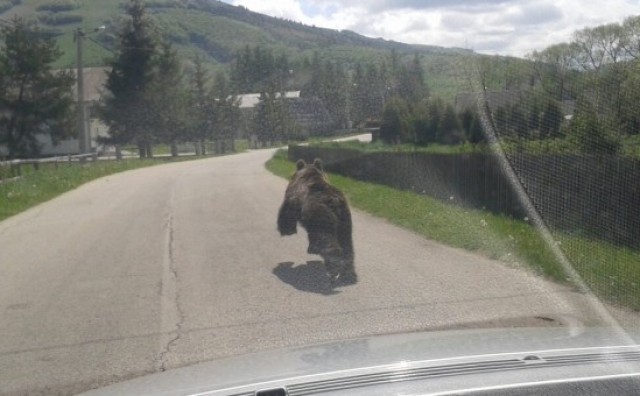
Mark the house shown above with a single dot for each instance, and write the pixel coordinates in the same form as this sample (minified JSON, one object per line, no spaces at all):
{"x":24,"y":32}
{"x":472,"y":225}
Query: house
{"x":309,"y":113}
{"x":94,"y":80}
{"x":251,"y":100}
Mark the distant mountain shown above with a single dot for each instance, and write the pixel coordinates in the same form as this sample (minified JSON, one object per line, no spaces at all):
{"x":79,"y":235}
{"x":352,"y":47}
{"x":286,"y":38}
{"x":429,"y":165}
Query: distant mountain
{"x":212,"y":28}
{"x":216,"y":31}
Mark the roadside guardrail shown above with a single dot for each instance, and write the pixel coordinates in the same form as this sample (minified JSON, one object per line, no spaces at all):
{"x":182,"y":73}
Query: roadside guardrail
{"x":14,"y":167}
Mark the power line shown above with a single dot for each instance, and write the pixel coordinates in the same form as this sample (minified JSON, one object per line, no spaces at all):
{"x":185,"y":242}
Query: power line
{"x":100,"y":44}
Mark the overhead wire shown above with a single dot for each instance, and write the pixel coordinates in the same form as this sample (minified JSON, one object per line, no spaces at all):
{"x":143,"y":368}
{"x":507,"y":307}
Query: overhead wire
{"x":100,"y":44}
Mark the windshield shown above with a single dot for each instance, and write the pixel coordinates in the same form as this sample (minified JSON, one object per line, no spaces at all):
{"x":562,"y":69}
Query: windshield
{"x":189,"y":180}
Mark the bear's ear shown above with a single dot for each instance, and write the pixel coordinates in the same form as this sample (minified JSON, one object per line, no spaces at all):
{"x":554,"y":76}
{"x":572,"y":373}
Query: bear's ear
{"x":317,"y":163}
{"x":300,"y":164}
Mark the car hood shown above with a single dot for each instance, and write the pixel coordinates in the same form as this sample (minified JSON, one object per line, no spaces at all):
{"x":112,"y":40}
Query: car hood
{"x":332,"y":367}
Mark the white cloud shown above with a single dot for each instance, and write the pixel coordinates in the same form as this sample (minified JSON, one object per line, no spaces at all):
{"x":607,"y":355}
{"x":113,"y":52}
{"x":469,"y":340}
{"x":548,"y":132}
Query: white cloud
{"x":510,"y":27}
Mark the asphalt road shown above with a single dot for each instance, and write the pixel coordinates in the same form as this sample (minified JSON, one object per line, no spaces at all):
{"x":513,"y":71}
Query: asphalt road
{"x":167,"y":266}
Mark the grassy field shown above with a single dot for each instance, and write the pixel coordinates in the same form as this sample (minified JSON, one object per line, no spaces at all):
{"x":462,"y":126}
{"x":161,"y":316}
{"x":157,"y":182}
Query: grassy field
{"x":611,"y":271}
{"x":216,"y":33}
{"x":94,"y":14}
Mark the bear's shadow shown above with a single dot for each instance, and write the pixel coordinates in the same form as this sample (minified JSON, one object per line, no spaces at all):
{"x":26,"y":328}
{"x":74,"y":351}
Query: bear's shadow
{"x":310,"y":277}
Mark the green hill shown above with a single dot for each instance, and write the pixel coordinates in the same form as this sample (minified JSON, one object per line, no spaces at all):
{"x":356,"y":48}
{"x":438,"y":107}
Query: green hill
{"x":213,"y":28}
{"x":216,"y":31}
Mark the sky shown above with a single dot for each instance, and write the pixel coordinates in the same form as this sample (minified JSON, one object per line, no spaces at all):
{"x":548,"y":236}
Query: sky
{"x":505,"y":27}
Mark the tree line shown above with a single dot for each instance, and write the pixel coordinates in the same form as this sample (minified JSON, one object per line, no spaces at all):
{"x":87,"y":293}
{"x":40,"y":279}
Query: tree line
{"x":429,"y":121}
{"x":578,"y":97}
{"x":598,"y":74}
{"x":353,"y":94}
{"x":149,"y":100}
{"x":150,"y":97}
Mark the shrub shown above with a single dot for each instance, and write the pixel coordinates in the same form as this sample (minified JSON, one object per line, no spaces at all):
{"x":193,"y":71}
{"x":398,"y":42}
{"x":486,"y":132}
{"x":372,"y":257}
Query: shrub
{"x":58,"y":6}
{"x":396,"y":122}
{"x":59,"y":19}
{"x":588,"y":134}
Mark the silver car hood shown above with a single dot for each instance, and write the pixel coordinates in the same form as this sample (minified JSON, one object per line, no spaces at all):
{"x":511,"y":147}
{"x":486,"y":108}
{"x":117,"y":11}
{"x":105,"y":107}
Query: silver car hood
{"x":361,"y":366}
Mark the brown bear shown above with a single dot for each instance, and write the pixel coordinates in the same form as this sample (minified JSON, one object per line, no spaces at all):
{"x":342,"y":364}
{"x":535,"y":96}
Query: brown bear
{"x":323,"y":211}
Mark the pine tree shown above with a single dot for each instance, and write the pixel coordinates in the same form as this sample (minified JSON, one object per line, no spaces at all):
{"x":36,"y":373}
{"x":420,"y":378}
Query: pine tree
{"x":518,"y":122}
{"x":201,"y":103}
{"x":357,"y":96}
{"x":475,"y":134}
{"x":241,"y":72}
{"x":266,"y":117}
{"x":466,"y":119}
{"x":226,"y":109}
{"x":587,"y":133}
{"x":435,"y":110}
{"x":409,"y":81}
{"x":167,"y":98}
{"x":396,"y":126}
{"x":33,"y":99}
{"x":449,"y":126}
{"x":551,"y":120}
{"x":125,"y":108}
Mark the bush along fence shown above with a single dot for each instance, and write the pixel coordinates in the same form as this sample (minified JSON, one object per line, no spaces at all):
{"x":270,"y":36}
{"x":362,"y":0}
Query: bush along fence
{"x":593,"y":196}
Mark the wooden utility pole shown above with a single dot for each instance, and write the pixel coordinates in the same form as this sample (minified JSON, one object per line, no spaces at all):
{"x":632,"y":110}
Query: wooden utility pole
{"x":82,"y":132}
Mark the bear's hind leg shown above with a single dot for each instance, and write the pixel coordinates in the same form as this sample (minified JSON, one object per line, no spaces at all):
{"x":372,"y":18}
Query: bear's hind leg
{"x":324,"y":244}
{"x":347,"y":274}
{"x":334,"y":268}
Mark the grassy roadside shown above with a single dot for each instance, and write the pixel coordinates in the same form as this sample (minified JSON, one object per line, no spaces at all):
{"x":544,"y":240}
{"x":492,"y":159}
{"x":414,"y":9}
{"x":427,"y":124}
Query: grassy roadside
{"x":630,"y":147}
{"x":610,"y":270}
{"x":378,"y":146}
{"x":39,"y":186}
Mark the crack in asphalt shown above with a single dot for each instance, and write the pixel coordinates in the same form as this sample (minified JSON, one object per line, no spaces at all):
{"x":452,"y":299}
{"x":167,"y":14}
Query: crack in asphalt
{"x":169,"y":290}
{"x":263,"y":323}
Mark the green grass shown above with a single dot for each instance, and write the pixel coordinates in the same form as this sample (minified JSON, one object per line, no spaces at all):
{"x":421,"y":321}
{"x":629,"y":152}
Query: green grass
{"x":410,"y":148}
{"x":612,"y":272}
{"x":94,"y":13}
{"x":228,"y":34}
{"x":630,"y":147}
